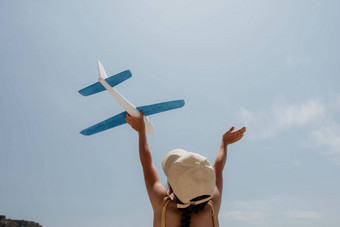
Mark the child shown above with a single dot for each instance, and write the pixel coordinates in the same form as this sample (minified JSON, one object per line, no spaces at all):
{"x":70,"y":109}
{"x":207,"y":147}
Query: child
{"x":193,"y":182}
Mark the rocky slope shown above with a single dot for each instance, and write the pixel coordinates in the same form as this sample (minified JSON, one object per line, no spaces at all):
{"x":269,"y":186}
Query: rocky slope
{"x":16,"y":223}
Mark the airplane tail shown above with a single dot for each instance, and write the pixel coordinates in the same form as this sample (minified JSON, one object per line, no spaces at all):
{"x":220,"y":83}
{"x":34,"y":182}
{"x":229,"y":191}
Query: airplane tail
{"x":112,"y":81}
{"x":102,"y":72}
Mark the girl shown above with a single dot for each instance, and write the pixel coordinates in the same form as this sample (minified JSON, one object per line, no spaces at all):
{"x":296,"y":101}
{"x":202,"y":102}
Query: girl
{"x":196,"y":186}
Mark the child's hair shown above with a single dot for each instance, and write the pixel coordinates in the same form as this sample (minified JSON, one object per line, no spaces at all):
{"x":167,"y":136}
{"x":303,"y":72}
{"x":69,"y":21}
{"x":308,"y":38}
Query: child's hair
{"x":188,"y":211}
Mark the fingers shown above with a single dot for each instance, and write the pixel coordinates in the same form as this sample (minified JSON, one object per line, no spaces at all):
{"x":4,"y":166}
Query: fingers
{"x":241,"y":130}
{"x":128,"y":118}
{"x":231,"y":129}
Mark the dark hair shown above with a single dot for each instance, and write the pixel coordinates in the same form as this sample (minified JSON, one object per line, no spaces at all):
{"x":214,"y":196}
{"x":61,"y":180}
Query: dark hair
{"x":186,"y":212}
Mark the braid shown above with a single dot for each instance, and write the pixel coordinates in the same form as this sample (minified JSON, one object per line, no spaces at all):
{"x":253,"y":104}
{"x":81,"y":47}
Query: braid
{"x":187,"y":212}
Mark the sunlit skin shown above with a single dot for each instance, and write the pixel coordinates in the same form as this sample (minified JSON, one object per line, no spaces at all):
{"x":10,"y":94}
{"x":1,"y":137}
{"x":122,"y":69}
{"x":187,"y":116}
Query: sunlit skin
{"x":156,"y":191}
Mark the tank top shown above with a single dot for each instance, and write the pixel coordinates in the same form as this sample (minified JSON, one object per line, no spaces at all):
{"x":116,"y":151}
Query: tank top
{"x":210,"y":204}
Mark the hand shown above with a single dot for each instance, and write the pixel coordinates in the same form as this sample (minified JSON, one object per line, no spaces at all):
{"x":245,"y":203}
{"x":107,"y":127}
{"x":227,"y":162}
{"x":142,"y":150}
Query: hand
{"x":231,"y":137}
{"x":137,"y":123}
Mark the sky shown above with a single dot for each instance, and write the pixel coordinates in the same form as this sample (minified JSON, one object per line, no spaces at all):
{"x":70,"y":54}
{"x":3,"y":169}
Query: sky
{"x":272,"y":66}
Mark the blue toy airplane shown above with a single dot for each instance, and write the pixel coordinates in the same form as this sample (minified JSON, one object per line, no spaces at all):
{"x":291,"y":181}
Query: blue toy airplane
{"x":108,"y":83}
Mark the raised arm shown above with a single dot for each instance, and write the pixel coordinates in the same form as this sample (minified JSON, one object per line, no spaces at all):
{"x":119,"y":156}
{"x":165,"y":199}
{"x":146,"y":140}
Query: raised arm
{"x":155,"y":189}
{"x":228,"y":138}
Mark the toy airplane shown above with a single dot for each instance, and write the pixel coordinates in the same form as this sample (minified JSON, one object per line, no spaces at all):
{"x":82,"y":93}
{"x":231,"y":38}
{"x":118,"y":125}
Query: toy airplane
{"x":108,"y":83}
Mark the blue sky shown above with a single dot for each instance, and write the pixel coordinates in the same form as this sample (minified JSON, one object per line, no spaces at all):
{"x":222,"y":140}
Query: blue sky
{"x":272,"y":66}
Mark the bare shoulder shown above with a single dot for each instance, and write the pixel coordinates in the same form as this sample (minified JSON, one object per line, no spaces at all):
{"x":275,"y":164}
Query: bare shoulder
{"x":216,"y":203}
{"x":161,"y":204}
{"x":172,"y":215}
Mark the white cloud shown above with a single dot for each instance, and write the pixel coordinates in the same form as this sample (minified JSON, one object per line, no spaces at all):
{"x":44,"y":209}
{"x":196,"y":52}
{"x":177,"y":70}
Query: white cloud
{"x":328,"y":137}
{"x":292,"y":115}
{"x":322,"y":120}
{"x":253,"y":217}
{"x":272,"y":211}
{"x":299,"y":214}
{"x":269,"y":122}
{"x":254,"y":212}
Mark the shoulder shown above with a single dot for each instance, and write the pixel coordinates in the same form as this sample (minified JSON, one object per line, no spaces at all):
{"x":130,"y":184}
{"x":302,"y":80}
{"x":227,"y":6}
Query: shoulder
{"x":163,"y":203}
{"x":214,"y":204}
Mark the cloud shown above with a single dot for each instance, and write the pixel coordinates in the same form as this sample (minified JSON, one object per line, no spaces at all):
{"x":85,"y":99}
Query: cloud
{"x":272,"y":211}
{"x":254,"y":217}
{"x":253,"y":212}
{"x":298,"y":214}
{"x":265,"y":123}
{"x":328,"y":137}
{"x":321,"y":118}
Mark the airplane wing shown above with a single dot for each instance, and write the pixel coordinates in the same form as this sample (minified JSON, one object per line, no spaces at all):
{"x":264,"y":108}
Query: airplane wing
{"x":112,"y":80}
{"x":119,"y":119}
{"x":112,"y":122}
{"x":161,"y":107}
